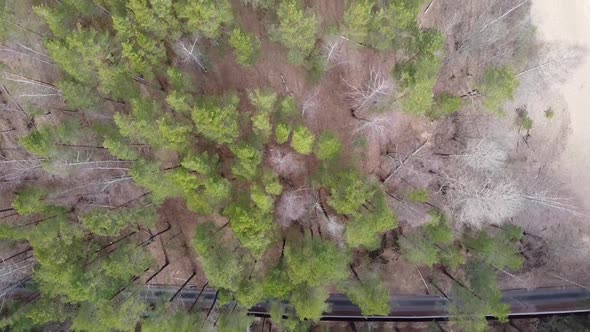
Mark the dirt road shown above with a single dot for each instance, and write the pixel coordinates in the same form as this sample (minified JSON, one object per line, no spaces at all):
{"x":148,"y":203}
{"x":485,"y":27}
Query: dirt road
{"x":569,"y":22}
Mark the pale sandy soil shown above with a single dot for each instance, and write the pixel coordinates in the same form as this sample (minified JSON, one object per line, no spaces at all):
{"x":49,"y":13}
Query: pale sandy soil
{"x":568,"y":22}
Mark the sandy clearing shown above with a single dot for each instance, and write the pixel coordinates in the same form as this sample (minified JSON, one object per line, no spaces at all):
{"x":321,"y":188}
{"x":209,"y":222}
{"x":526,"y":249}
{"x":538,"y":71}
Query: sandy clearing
{"x":569,"y":22}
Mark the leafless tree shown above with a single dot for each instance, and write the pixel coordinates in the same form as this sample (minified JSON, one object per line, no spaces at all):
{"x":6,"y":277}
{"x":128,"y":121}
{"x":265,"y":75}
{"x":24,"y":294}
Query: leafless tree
{"x":483,"y":155}
{"x":40,"y":89}
{"x":188,"y":51}
{"x":292,"y":205}
{"x":373,"y":93}
{"x":477,"y":201}
{"x":285,"y":163}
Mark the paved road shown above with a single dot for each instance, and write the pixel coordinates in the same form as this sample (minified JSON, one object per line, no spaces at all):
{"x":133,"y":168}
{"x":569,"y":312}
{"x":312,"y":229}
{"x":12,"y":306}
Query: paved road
{"x":524,"y":303}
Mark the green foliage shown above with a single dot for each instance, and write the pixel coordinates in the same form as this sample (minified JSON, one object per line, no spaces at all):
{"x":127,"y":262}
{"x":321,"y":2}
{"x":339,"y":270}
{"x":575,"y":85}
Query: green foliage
{"x":310,"y":302}
{"x":81,"y":54}
{"x":316,"y":262}
{"x":279,"y":310}
{"x":358,"y":20}
{"x":117,"y":81}
{"x":381,"y":26}
{"x":250,"y":292}
{"x":252,"y":226}
{"x":78,"y":95}
{"x":107,"y":317}
{"x":149,"y":176}
{"x":106,"y":222}
{"x":234,"y":320}
{"x":43,"y":141}
{"x":259,"y":4}
{"x":419,"y":76}
{"x":364,"y":229}
{"x":205,"y":16}
{"x":282,"y":132}
{"x":218,"y":122}
{"x":203,"y":163}
{"x":370,"y":295}
{"x":288,"y":109}
{"x":271,"y":183}
{"x":302,"y":140}
{"x":348,"y":191}
{"x":30,"y":201}
{"x":246,"y":47}
{"x":498,"y":86}
{"x":263,"y":201}
{"x":500,"y":251}
{"x":179,"y":322}
{"x":145,"y":52}
{"x":119,"y":149}
{"x":277,"y":284}
{"x":328,"y":146}
{"x":418,"y":196}
{"x":481,"y":297}
{"x":126,"y":262}
{"x":222,"y":265}
{"x":297,"y":30}
{"x":264,"y":101}
{"x":432,"y":244}
{"x":549,"y":113}
{"x":247,"y":160}
{"x":445,"y":105}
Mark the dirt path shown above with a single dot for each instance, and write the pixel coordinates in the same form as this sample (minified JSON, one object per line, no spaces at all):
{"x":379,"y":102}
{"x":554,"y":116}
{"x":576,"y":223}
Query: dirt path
{"x":569,"y":22}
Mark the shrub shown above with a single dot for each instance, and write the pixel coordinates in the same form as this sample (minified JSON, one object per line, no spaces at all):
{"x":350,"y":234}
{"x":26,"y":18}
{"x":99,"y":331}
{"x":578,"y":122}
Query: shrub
{"x":328,"y":146}
{"x":282,"y":132}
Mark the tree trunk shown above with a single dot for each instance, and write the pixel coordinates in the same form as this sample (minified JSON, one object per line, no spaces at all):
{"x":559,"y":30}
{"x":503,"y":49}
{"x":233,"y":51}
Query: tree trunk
{"x":166,"y":263}
{"x":355,"y":274}
{"x":116,"y":241}
{"x":148,"y":241}
{"x":17,"y":254}
{"x":183,"y":285}
{"x":212,"y":304}
{"x":198,"y":296}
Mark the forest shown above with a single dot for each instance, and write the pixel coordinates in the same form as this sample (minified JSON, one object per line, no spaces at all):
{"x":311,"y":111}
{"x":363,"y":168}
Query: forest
{"x":278,"y":152}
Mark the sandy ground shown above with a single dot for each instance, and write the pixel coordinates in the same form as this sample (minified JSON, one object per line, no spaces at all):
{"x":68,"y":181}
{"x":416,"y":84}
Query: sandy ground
{"x":569,"y":23}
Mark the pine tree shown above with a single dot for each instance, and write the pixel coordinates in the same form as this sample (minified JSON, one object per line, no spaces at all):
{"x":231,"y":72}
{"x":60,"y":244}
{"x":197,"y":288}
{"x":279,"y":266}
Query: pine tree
{"x":316,"y":262}
{"x":328,"y":146}
{"x":247,"y":161}
{"x":205,"y":16}
{"x":498,"y":86}
{"x":297,"y":30}
{"x":302,"y":140}
{"x":364,"y":229}
{"x":348,"y":191}
{"x":370,"y":295}
{"x":222,"y":265}
{"x":252,"y":225}
{"x":106,"y":222}
{"x":310,"y":302}
{"x":218,"y":120}
{"x":246,"y":47}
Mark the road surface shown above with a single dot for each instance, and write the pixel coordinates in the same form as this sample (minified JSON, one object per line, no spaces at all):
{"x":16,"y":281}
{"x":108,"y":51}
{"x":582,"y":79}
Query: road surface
{"x":523,"y":303}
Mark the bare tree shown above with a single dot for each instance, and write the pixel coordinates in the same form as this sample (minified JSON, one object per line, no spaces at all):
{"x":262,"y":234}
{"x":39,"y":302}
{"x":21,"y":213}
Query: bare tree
{"x":483,"y":155}
{"x":293,"y":205}
{"x":285,"y":163}
{"x":477,"y":201}
{"x":373,"y":93}
{"x":189,"y":53}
